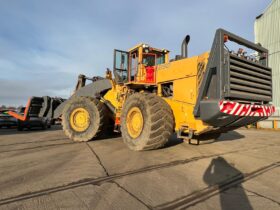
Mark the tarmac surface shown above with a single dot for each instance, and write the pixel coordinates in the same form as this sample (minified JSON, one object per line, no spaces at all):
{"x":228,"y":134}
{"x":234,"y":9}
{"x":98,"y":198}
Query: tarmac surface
{"x":45,"y":170}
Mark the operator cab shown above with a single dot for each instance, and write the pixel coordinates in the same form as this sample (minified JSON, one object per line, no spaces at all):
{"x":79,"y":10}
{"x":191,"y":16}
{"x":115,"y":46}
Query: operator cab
{"x":139,"y":64}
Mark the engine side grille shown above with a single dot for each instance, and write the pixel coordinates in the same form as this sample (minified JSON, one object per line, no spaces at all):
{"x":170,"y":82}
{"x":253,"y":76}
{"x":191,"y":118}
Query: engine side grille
{"x":249,"y":80}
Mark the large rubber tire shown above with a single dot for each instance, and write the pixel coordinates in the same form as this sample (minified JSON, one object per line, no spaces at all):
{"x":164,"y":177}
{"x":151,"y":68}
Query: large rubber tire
{"x":158,"y":122}
{"x":97,"y":119}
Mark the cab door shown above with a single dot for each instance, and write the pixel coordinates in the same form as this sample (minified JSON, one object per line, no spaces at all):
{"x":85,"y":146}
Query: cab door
{"x":121,"y":66}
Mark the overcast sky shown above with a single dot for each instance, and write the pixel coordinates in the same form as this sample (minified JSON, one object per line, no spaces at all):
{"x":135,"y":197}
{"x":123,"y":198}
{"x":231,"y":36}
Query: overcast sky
{"x":45,"y":45}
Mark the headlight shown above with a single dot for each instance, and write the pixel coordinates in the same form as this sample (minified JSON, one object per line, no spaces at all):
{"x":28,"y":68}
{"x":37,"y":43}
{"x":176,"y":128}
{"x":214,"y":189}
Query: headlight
{"x":145,"y":46}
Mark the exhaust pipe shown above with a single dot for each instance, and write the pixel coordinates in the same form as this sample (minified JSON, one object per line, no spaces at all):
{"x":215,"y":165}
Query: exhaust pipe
{"x":184,"y":47}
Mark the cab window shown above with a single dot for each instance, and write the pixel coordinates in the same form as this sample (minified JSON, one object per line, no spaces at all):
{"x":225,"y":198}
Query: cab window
{"x":160,"y":59}
{"x":149,"y":59}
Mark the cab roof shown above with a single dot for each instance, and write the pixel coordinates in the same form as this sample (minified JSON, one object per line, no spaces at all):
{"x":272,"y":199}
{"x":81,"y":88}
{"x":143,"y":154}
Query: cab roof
{"x":143,"y":44}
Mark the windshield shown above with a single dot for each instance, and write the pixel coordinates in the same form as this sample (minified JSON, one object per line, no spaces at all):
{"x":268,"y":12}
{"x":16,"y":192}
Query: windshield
{"x":149,"y":59}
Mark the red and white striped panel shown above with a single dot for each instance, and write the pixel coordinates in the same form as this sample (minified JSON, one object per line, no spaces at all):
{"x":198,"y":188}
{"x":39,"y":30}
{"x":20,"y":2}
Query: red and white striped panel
{"x":235,"y":108}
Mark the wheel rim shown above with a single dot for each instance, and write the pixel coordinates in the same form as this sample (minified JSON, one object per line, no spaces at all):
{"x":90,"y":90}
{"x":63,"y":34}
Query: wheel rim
{"x":134,"y":122}
{"x":79,"y":119}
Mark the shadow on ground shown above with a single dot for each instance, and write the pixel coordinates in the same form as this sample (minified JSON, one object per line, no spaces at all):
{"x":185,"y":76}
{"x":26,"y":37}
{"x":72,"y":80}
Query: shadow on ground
{"x":14,"y":131}
{"x":173,"y":141}
{"x":229,"y":136}
{"x":217,"y":172}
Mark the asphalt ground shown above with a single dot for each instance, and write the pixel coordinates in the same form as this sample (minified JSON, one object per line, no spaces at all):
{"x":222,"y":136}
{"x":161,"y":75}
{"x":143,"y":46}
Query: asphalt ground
{"x":45,"y":170}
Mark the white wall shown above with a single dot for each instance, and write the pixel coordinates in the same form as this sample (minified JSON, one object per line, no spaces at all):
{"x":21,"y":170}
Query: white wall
{"x":267,"y":32}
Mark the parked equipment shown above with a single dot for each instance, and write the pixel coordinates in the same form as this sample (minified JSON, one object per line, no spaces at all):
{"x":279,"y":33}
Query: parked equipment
{"x":33,"y":121}
{"x":39,"y":112}
{"x":151,"y":96}
{"x":6,"y":120}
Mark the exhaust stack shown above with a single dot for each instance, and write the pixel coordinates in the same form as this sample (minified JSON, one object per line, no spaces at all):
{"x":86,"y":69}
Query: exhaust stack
{"x":184,"y":47}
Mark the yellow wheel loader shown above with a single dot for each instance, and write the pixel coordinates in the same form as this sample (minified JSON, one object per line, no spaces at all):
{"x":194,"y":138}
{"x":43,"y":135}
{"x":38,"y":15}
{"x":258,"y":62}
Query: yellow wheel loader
{"x":148,"y":97}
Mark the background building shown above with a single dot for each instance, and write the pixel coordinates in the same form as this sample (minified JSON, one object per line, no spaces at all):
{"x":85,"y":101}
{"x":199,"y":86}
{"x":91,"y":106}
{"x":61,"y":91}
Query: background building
{"x":267,"y":32}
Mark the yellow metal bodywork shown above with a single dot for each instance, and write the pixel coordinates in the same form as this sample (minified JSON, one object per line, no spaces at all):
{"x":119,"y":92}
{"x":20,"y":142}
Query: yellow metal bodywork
{"x":185,"y":75}
{"x":79,"y":119}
